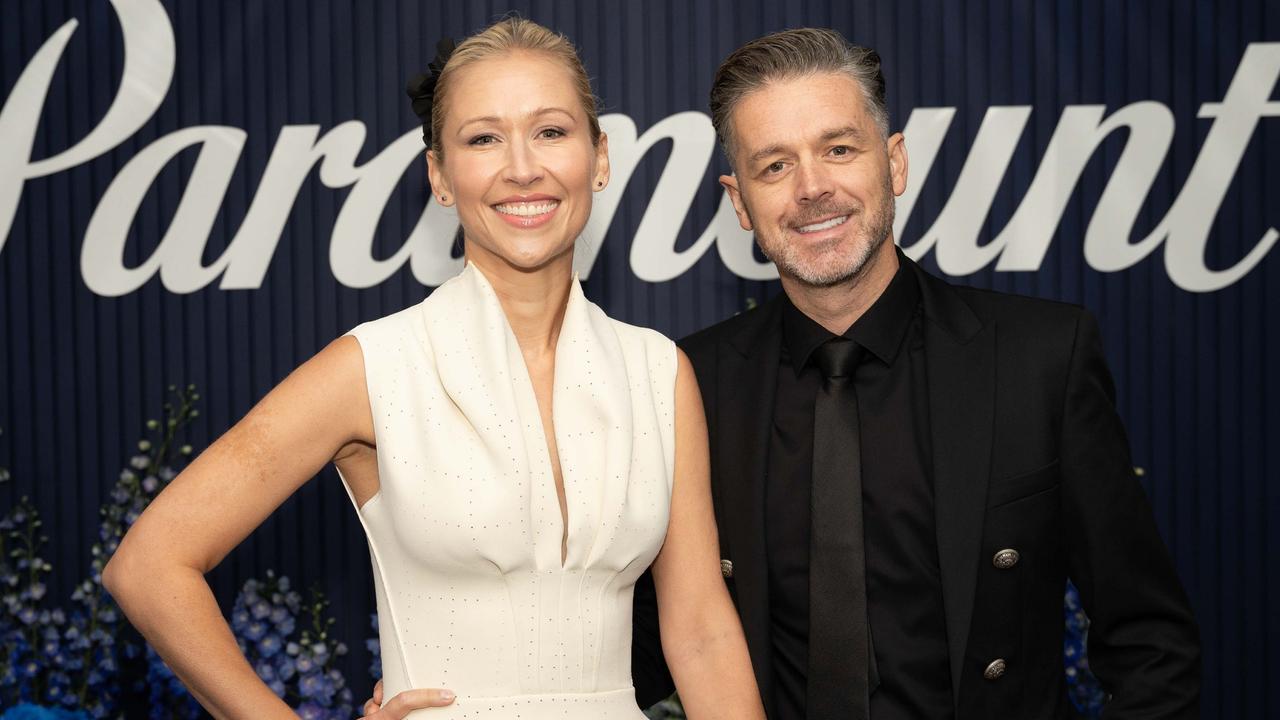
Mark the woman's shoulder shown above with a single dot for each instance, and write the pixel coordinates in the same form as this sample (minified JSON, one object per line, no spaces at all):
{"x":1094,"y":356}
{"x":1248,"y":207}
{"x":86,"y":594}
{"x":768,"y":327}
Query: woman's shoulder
{"x":640,"y":334}
{"x":639,"y":337}
{"x":388,"y":327}
{"x":443,"y":302}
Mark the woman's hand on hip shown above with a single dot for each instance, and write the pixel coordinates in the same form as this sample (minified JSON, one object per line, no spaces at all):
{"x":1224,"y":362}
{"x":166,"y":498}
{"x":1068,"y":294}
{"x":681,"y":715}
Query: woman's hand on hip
{"x":404,"y":703}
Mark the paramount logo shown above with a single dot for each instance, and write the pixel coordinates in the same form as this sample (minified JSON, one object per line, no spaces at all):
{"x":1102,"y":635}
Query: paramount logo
{"x":299,"y":150}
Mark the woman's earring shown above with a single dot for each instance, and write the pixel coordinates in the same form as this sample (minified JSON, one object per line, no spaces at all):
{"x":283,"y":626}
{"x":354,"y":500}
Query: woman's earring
{"x":599,"y":183}
{"x":444,"y":198}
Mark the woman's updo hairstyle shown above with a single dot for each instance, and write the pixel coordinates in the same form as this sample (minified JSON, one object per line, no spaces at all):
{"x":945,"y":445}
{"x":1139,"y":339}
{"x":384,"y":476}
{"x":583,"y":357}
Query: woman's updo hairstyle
{"x":430,"y":93}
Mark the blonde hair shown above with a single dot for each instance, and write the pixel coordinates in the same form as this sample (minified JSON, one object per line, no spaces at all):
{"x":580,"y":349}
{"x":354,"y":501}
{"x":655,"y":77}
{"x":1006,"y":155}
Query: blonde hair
{"x":505,"y":36}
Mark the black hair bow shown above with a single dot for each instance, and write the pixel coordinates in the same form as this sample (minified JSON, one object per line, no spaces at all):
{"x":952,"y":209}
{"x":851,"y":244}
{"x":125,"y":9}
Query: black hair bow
{"x":422,"y":87}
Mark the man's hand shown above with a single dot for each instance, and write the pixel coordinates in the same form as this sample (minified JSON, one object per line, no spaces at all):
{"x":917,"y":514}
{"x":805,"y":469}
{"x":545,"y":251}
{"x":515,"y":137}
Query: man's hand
{"x":404,"y":703}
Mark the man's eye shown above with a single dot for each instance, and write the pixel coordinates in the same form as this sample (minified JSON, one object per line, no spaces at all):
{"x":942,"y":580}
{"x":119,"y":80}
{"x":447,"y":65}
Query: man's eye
{"x":775,"y":167}
{"x":483,"y":140}
{"x":840,"y":150}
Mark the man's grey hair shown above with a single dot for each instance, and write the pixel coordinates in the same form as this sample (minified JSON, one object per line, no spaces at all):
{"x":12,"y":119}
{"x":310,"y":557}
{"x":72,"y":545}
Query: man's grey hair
{"x":791,"y":54}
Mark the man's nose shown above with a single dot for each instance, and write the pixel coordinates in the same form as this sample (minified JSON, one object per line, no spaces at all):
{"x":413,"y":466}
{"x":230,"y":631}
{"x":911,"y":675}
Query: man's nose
{"x":814,"y":183}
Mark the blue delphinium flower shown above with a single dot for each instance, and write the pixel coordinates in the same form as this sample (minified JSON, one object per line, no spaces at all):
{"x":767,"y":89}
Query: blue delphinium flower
{"x":374,"y":646}
{"x":1083,"y":688}
{"x":298,"y":667}
{"x":325,"y":684}
{"x":270,"y":645}
{"x":27,"y":711}
{"x":260,"y":609}
{"x":34,"y":664}
{"x":255,"y":631}
{"x":255,"y":624}
{"x":311,"y":711}
{"x":278,"y":687}
{"x":100,"y":643}
{"x":169,"y":698}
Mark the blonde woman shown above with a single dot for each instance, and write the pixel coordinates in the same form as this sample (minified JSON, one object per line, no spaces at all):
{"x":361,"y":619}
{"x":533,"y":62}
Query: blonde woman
{"x":516,"y":458}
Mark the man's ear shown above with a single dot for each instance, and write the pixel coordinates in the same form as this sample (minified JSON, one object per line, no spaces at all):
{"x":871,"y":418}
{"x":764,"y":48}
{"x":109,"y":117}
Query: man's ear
{"x":897,"y":149}
{"x":730,"y":184}
{"x":439,"y":183}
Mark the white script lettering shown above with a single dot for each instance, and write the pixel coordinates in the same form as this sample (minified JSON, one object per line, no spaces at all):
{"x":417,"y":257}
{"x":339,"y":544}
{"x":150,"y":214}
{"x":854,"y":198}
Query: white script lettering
{"x":955,"y":235}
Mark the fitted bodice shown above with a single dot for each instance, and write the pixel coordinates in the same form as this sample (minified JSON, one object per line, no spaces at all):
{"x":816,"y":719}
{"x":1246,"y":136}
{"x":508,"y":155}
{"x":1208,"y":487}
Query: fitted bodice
{"x":465,"y":530}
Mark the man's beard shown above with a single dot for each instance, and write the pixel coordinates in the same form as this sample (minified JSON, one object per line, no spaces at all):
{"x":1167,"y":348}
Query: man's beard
{"x":816,"y":266}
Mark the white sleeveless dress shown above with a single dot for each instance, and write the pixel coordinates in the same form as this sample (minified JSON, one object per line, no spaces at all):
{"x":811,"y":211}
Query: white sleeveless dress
{"x":465,"y":530}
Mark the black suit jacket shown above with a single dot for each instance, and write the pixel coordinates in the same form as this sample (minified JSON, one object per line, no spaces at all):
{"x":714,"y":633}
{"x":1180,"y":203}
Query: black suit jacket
{"x":1028,"y":454}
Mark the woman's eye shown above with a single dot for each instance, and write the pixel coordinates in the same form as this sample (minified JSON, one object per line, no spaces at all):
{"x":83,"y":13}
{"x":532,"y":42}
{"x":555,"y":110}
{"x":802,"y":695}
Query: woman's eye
{"x":551,"y":133}
{"x":483,"y":140}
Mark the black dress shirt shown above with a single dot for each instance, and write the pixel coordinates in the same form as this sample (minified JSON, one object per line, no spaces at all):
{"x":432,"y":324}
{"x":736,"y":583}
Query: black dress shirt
{"x":904,"y":589}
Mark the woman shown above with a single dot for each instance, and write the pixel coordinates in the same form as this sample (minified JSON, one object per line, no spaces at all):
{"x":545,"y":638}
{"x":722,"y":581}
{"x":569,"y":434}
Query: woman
{"x":516,"y":458}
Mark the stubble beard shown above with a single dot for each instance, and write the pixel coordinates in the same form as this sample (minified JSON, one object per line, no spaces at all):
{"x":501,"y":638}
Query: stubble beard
{"x":817,"y":267}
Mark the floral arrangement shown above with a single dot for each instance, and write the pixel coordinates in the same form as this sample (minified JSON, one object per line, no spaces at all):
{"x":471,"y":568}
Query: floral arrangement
{"x":53,"y":658}
{"x":35,"y":666}
{"x":299,"y":669}
{"x":85,"y":663}
{"x":108,"y":643}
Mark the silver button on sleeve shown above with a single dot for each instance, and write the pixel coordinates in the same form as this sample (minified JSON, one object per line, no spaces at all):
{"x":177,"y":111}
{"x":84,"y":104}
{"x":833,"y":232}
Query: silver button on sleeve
{"x":1005,"y":559}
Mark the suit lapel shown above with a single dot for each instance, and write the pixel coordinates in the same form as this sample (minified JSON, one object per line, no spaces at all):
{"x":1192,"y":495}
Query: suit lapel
{"x":960,"y":362}
{"x":746,"y":384}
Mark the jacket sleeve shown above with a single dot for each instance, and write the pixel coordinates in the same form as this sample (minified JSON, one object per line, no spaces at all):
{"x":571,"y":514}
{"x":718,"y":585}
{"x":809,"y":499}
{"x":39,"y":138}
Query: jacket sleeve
{"x":1144,"y":645}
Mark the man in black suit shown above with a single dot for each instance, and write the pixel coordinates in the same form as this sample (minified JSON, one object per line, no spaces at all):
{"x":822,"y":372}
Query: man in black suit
{"x":981,"y":466}
{"x":906,"y":472}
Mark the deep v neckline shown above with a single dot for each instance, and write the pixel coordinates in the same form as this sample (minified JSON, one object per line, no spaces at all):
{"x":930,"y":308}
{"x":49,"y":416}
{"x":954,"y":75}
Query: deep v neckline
{"x":564,"y":545}
{"x":552,"y":459}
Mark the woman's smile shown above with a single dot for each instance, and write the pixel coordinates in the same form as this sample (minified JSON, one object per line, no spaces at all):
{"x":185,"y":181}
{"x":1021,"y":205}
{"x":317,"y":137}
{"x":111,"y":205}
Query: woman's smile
{"x":526,"y":212}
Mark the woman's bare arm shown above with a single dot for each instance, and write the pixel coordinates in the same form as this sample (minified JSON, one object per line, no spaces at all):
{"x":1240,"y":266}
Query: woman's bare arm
{"x":702,"y":637}
{"x":157,"y":574}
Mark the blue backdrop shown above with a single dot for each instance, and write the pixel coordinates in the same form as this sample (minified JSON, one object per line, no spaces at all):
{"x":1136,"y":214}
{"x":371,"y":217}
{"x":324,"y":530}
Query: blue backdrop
{"x":186,"y":199}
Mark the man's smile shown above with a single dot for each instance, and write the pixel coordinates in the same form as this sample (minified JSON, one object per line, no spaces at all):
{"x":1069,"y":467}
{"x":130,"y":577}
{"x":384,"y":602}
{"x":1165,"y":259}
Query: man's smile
{"x":823,"y":225}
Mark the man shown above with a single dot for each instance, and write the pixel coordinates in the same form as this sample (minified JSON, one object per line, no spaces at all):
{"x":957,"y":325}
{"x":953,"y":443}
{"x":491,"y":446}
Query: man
{"x":907,"y":472}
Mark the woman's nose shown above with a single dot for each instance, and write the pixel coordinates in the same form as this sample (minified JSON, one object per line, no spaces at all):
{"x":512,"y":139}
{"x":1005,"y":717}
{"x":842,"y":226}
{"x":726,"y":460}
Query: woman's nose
{"x":523,"y":167}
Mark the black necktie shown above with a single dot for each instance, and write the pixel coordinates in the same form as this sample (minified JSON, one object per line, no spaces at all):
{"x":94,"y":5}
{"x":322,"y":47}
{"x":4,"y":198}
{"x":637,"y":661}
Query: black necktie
{"x":839,"y":638}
